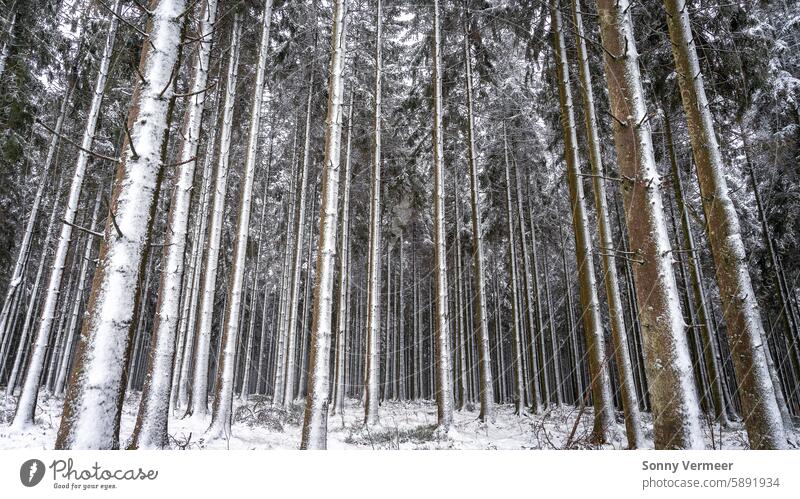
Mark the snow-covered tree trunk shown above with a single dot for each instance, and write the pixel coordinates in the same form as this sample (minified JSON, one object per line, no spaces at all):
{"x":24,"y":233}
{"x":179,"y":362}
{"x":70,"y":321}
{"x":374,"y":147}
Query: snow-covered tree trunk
{"x":742,"y":317}
{"x":676,"y":418}
{"x":74,"y":319}
{"x":11,"y":383}
{"x":372,"y":367}
{"x":93,"y":403}
{"x":444,"y":388}
{"x":344,"y":276}
{"x":293,"y":304}
{"x":291,"y":207}
{"x":150,"y":430}
{"x":481,"y":314}
{"x":315,"y":423}
{"x":786,"y":307}
{"x":254,"y":295}
{"x":710,"y":347}
{"x":590,"y":305}
{"x":516,"y":339}
{"x":188,"y":328}
{"x":223,"y":401}
{"x":459,"y":354}
{"x":630,"y":402}
{"x":205,"y":311}
{"x":27,"y":401}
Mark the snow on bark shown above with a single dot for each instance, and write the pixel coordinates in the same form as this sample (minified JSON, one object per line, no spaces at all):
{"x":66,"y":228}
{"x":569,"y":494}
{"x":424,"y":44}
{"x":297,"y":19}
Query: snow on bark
{"x":590,"y":304}
{"x":188,"y":327}
{"x":444,"y":390}
{"x":668,"y":364}
{"x":74,"y":319}
{"x":343,"y":315}
{"x":481,"y":320}
{"x":23,"y":252}
{"x":223,"y":401}
{"x":372,"y":367}
{"x":710,"y":347}
{"x":287,"y":392}
{"x":11,"y":383}
{"x":151,"y":423}
{"x":27,"y":401}
{"x":92,"y":407}
{"x":630,"y":401}
{"x":516,"y":340}
{"x":759,"y":408}
{"x":315,"y":423}
{"x":205,"y":312}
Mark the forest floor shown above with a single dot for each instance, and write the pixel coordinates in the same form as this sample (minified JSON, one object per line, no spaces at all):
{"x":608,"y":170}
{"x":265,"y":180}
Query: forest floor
{"x":404,"y":425}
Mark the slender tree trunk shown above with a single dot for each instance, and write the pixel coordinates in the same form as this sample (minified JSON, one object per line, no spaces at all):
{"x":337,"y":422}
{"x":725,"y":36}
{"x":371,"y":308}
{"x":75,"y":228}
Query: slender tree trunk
{"x":223,"y":401}
{"x":339,"y":386}
{"x":673,"y":395}
{"x":593,"y":327}
{"x":205,"y":310}
{"x":630,"y":402}
{"x":372,"y":375}
{"x":516,"y":340}
{"x":481,"y":319}
{"x":33,"y":302}
{"x":296,"y":265}
{"x":74,"y":320}
{"x":254,"y":295}
{"x":444,"y":389}
{"x":315,"y":423}
{"x":27,"y":401}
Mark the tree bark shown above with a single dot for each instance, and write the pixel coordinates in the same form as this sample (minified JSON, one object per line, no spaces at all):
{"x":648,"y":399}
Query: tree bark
{"x":674,"y":398}
{"x":93,"y":404}
{"x":592,"y":323}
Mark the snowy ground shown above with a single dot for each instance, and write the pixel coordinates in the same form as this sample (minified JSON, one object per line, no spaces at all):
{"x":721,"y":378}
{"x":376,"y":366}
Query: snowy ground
{"x":404,"y":425}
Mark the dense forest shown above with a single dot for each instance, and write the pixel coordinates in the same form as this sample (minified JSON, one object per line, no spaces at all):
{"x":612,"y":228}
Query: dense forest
{"x":226,"y":213}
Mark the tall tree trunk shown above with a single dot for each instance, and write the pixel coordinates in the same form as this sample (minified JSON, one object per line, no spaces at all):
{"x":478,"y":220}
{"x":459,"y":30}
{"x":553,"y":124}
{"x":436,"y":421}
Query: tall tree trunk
{"x":223,"y":401}
{"x":372,"y":375}
{"x":710,"y":347}
{"x":287,"y":394}
{"x":254,"y":292}
{"x":761,"y":415}
{"x":150,"y":430}
{"x":30,"y":391}
{"x":444,"y":389}
{"x":481,"y":319}
{"x":74,"y":319}
{"x":630,"y":402}
{"x":190,"y":321}
{"x":93,"y":404}
{"x":33,"y":302}
{"x":516,"y":339}
{"x":205,"y":306}
{"x":592,"y":323}
{"x":674,"y":398}
{"x":315,"y":423}
{"x":339,"y":381}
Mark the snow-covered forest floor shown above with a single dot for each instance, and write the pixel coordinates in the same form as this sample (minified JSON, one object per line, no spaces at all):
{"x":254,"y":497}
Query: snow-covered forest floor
{"x":404,"y":425}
